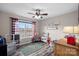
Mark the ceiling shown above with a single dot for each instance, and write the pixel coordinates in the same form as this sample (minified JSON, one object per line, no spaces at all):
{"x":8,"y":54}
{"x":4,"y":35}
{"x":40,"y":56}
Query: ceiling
{"x":53,"y":9}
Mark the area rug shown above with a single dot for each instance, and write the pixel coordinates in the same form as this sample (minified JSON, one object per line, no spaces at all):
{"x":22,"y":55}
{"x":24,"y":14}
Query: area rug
{"x":31,"y":48}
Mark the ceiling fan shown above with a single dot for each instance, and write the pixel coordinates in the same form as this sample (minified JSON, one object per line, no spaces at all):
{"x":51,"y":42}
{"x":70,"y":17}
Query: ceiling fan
{"x":38,"y":13}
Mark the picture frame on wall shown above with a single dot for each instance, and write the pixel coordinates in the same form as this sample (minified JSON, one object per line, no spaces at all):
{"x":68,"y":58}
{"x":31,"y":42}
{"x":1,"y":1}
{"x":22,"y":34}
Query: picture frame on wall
{"x":52,"y":27}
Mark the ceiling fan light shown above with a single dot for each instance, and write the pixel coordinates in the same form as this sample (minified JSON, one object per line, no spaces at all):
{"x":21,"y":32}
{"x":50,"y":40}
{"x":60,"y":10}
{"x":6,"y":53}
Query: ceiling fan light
{"x":38,"y":17}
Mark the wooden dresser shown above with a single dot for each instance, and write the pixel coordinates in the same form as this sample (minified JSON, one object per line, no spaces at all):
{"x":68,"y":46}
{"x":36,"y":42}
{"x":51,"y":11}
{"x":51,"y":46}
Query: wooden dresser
{"x":63,"y":49}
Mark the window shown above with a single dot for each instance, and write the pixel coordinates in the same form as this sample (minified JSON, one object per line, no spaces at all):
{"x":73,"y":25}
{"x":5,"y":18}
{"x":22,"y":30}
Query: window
{"x":23,"y":25}
{"x":20,"y":25}
{"x":24,"y":29}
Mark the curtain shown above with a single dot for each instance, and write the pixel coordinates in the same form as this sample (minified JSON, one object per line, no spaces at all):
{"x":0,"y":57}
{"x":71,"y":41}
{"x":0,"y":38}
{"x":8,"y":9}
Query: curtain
{"x":13,"y":20}
{"x":34,"y":28}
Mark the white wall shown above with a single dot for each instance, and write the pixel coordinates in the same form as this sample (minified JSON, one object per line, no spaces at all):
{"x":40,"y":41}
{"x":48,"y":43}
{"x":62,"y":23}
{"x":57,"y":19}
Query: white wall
{"x":68,"y":19}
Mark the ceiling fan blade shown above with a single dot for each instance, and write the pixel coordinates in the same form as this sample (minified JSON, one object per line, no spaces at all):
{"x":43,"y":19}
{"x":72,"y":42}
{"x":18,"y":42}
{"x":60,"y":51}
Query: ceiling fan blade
{"x":31,"y":13}
{"x":44,"y":14}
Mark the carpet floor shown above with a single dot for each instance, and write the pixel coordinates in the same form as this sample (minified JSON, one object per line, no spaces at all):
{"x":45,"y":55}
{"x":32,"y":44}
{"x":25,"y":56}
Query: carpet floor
{"x":30,"y":48}
{"x":34,"y":49}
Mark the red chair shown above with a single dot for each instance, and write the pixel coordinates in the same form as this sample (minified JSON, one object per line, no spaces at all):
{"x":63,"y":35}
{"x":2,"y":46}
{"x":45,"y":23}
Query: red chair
{"x":71,"y":40}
